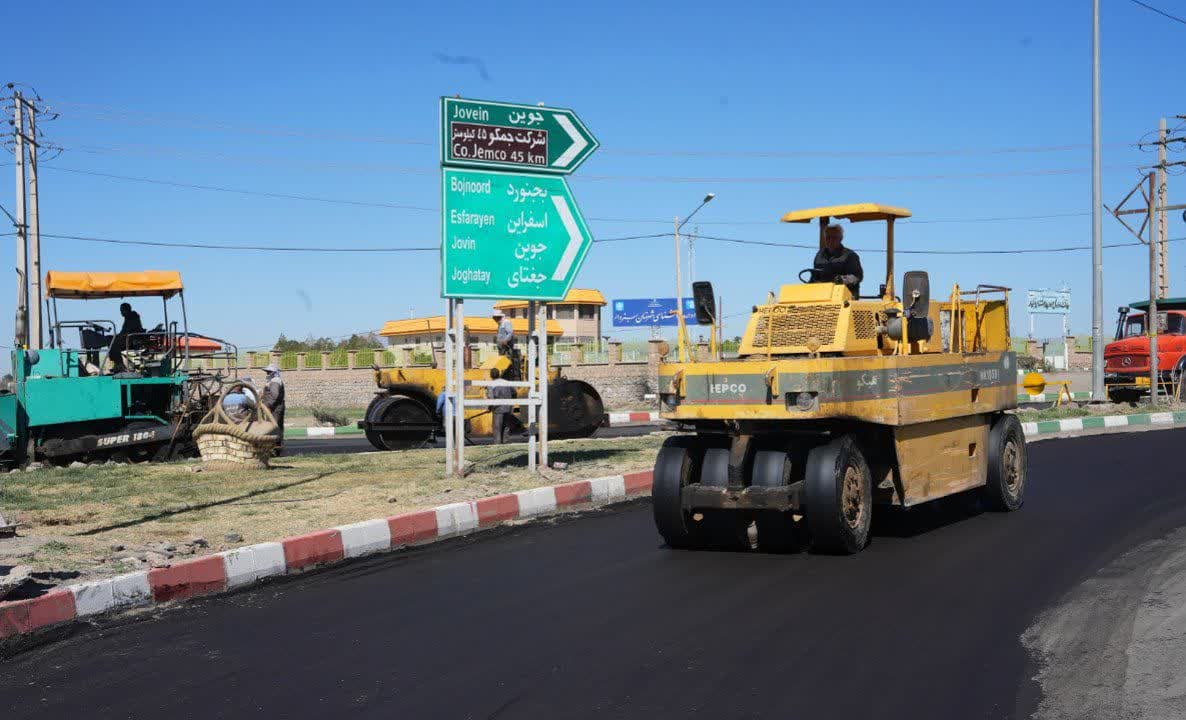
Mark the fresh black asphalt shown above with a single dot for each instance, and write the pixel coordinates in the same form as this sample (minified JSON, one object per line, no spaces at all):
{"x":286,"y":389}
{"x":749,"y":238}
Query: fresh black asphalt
{"x":592,"y":617}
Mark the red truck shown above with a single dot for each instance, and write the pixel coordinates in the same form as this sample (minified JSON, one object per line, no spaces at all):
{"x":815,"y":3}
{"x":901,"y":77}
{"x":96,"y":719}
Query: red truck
{"x":1126,"y":359}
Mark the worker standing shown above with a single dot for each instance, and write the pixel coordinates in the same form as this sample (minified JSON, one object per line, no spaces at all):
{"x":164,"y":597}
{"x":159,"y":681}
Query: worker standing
{"x":500,"y":390}
{"x":836,"y":263}
{"x":273,"y":399}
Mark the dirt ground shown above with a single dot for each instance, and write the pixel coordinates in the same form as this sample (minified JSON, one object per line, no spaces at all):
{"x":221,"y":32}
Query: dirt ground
{"x":100,"y":520}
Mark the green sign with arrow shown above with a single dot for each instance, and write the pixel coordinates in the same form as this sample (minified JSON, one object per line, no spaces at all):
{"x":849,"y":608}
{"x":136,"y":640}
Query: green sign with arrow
{"x":509,"y":235}
{"x":532,"y":138}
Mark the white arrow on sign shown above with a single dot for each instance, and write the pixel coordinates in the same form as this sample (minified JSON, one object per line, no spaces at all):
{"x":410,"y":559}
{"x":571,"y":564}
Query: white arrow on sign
{"x":578,"y":142}
{"x":574,"y":238}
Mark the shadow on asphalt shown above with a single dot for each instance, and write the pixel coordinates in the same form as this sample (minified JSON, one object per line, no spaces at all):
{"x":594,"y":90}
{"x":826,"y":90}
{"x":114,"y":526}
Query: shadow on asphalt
{"x":519,"y":460}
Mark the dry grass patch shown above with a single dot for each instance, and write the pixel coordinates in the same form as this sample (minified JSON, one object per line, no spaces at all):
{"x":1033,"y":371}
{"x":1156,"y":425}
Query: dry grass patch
{"x":90,"y":511}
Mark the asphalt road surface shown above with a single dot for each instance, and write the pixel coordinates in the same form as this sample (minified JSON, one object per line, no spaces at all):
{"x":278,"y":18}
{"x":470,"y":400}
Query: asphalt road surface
{"x":357,"y":443}
{"x":592,"y":617}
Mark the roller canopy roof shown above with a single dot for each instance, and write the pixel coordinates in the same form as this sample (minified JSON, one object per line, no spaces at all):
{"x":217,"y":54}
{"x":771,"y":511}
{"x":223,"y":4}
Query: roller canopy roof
{"x":93,"y":285}
{"x":854,"y":213}
{"x":476,"y":325}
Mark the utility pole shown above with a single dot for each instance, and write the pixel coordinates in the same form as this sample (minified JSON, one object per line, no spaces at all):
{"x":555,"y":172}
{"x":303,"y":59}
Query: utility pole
{"x":1153,"y":232}
{"x":679,"y":290}
{"x":1097,"y":218}
{"x":692,"y":257}
{"x":36,"y":336}
{"x":1151,"y":318}
{"x":21,"y":324}
{"x":1163,"y":250}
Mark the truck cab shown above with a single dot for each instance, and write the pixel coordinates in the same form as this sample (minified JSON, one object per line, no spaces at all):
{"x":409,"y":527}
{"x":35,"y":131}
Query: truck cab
{"x":1126,"y":358}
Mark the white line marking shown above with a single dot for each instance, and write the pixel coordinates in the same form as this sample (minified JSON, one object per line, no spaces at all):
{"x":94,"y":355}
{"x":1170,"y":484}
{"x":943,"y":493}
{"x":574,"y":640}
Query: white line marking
{"x":574,"y":238}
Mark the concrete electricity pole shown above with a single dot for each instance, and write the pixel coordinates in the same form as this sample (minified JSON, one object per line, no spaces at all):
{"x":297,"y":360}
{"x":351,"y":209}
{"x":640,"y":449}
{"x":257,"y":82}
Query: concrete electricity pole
{"x":1163,"y":250}
{"x":21,"y":323}
{"x":36,"y":303}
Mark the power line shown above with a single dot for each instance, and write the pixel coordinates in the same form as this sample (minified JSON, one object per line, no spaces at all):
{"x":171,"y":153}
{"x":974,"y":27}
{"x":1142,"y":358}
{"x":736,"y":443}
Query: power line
{"x":649,"y":236}
{"x":205,"y":122}
{"x":289,"y":249}
{"x":1159,"y":12}
{"x":239,"y":191}
{"x":899,"y":251}
{"x":821,"y":179}
{"x":423,"y":208}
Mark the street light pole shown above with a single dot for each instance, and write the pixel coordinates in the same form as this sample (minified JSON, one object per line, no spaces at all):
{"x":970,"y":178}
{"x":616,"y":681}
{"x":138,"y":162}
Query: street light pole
{"x":679,"y":293}
{"x":1097,"y":218}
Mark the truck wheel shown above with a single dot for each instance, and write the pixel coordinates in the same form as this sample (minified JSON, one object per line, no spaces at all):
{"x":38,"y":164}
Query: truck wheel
{"x":839,"y":496}
{"x":777,"y":531}
{"x":1006,"y":465}
{"x":676,"y":466}
{"x":1179,"y":380}
{"x":1124,"y":396}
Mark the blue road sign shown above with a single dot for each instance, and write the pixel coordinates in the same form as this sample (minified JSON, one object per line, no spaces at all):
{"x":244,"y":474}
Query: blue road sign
{"x":651,"y":312}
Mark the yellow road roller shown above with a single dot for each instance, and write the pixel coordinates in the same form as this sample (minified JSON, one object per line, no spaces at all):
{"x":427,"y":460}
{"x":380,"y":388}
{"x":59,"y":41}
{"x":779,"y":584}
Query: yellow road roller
{"x":404,"y":412}
{"x":837,"y":404}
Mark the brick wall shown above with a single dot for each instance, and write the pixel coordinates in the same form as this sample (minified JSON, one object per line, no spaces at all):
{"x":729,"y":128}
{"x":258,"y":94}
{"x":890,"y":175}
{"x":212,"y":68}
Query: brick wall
{"x":619,"y":384}
{"x":322,"y":388}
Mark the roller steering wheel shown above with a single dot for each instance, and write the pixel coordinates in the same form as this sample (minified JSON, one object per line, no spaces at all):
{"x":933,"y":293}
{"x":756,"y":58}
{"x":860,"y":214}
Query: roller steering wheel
{"x":810,"y":276}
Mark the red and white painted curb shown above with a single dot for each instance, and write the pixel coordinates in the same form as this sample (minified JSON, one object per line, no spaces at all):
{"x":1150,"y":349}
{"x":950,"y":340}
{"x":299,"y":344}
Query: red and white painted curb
{"x":632,"y":418}
{"x":224,"y":571}
{"x":614,"y":419}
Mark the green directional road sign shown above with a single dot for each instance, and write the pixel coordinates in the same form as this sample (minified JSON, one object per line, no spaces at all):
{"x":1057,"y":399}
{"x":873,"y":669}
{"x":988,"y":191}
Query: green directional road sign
{"x":532,"y":138}
{"x":509,"y":236}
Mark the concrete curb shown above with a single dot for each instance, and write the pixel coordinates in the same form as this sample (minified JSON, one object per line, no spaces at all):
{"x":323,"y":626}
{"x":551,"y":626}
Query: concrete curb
{"x":212,"y":574}
{"x":1100,"y":422}
{"x":614,"y":420}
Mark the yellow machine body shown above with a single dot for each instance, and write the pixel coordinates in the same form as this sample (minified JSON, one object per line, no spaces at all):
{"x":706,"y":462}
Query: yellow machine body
{"x":431,"y":381}
{"x":816,"y":364}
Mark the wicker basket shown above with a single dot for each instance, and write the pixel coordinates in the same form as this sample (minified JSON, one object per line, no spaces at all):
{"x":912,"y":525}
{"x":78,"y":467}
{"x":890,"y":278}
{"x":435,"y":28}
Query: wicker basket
{"x":227,"y":444}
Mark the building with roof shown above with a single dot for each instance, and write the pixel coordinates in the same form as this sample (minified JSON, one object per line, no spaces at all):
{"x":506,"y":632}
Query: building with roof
{"x":578,"y":314}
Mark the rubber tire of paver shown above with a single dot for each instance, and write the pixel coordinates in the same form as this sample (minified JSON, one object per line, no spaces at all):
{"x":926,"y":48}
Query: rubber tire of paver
{"x":1005,"y":489}
{"x":832,"y":529}
{"x":777,"y":531}
{"x":676,"y":466}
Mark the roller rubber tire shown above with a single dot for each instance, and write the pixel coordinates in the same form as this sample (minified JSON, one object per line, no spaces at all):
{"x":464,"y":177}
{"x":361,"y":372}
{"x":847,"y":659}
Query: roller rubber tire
{"x":1007,"y":465}
{"x":839,"y":497}
{"x":676,"y":466}
{"x":777,"y":531}
{"x":723,"y":529}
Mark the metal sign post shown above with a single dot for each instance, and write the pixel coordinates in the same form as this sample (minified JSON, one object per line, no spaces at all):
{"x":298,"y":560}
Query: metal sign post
{"x":450,"y":386}
{"x":533,"y":415}
{"x":459,"y":354}
{"x":541,"y":342}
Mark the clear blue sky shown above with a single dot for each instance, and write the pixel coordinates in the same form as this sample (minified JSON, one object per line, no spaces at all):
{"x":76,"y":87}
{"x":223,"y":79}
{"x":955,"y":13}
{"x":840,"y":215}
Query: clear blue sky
{"x":339,"y":101}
